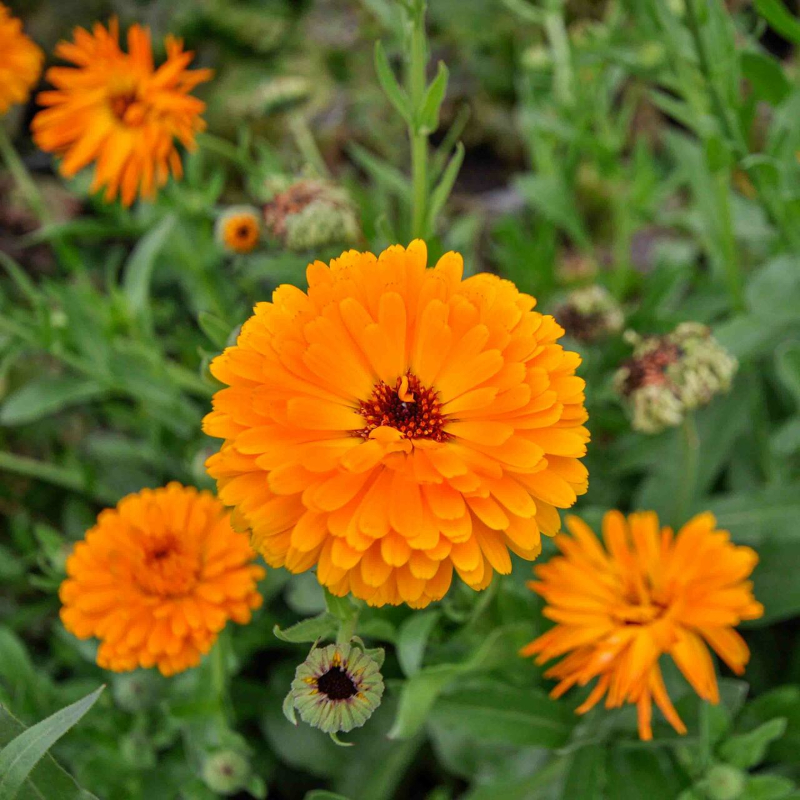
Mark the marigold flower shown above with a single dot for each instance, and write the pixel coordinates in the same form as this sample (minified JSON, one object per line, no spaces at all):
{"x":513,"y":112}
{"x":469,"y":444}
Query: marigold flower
{"x":116,"y":110}
{"x":238,"y":229}
{"x":337,"y":688}
{"x":20,"y":61}
{"x":157,"y":578}
{"x":647,"y":593}
{"x":396,"y":422}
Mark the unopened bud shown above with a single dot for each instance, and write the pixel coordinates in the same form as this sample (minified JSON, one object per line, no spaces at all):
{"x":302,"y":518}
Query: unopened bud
{"x":226,"y":771}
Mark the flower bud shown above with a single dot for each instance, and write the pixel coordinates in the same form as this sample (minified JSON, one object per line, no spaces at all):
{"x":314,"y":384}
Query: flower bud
{"x":226,"y":771}
{"x":337,"y":688}
{"x":135,"y":691}
{"x":723,"y":782}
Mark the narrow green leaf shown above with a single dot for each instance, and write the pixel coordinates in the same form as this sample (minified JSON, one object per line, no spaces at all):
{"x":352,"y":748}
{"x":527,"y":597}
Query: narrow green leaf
{"x":140,"y":265}
{"x":22,"y":753}
{"x":397,"y":97}
{"x":322,"y":626}
{"x":20,"y":277}
{"x":779,"y":18}
{"x":432,"y":102}
{"x":445,"y":186}
{"x":42,"y":397}
{"x":412,"y":638}
{"x":323,"y":794}
{"x":380,"y":171}
{"x":418,"y":696}
{"x":217,"y":330}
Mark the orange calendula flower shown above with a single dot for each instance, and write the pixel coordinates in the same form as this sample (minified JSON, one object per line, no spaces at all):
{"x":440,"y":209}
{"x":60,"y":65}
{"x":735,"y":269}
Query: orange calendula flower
{"x":395,"y":422}
{"x":20,"y":62}
{"x":238,"y":229}
{"x":116,"y":110}
{"x":648,"y":592}
{"x":157,"y":578}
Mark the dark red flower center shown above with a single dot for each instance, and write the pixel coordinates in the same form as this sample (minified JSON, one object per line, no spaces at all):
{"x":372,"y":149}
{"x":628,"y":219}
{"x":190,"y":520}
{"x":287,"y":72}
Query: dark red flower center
{"x":336,"y":684}
{"x":408,"y":406}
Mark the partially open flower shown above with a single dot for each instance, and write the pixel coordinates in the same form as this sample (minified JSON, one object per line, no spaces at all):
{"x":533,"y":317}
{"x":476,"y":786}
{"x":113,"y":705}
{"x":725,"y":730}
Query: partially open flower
{"x":336,"y":688}
{"x":590,"y":313}
{"x":669,"y":375}
{"x":311,"y":213}
{"x":238,"y":229}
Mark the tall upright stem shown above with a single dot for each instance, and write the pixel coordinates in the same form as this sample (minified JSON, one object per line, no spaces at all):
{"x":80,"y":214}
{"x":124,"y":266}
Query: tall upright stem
{"x":690,"y":463}
{"x":419,"y":139}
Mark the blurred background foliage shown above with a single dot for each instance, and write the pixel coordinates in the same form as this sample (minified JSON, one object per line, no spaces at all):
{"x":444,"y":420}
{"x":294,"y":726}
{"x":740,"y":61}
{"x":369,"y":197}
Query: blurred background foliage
{"x":648,"y":146}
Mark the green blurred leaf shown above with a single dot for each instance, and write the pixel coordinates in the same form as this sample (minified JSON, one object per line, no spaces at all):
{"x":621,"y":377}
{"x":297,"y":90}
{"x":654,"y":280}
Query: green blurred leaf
{"x":445,"y":186}
{"x":48,"y":395}
{"x":634,"y":774}
{"x":139,"y":267}
{"x":20,"y":755}
{"x":217,"y":330}
{"x":766,"y":76}
{"x":747,"y":750}
{"x":767,"y":787}
{"x":551,"y":197}
{"x":432,"y":102}
{"x":779,"y":18}
{"x":787,"y":360}
{"x":397,"y":97}
{"x":412,"y":639}
{"x":492,"y":711}
{"x":322,"y":626}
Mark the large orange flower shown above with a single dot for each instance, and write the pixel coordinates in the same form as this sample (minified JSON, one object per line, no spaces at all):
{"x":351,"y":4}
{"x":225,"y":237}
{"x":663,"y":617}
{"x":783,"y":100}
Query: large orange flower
{"x":115,"y":109}
{"x":20,"y":61}
{"x":395,"y":422}
{"x":647,"y":593}
{"x":157,"y":579}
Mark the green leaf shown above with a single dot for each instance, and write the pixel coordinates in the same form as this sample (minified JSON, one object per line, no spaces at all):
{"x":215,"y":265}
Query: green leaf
{"x":637,"y":773}
{"x":217,"y":330}
{"x":20,"y":756}
{"x":766,"y":76}
{"x":397,"y":97}
{"x":432,"y":102}
{"x":412,"y":638}
{"x":342,"y":608}
{"x":492,"y":711}
{"x":140,"y":265}
{"x":323,"y":794}
{"x":45,"y":396}
{"x":781,"y":702}
{"x":779,"y":18}
{"x":767,"y":787}
{"x":322,"y":626}
{"x":445,"y":186}
{"x":550,"y":196}
{"x":585,"y":775}
{"x":787,"y":361}
{"x":746,"y":750}
{"x":383,"y":173}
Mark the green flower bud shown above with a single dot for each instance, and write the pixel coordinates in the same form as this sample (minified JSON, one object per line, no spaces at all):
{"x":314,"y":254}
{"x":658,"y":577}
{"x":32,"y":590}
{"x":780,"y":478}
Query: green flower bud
{"x":226,"y":771}
{"x":723,"y":782}
{"x":337,"y":688}
{"x":135,"y":691}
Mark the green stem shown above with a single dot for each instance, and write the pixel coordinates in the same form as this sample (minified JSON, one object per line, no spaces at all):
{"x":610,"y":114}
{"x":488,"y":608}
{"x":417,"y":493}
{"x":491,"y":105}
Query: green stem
{"x":419,"y":139}
{"x":691,"y":454}
{"x":559,"y":43}
{"x":730,"y":253}
{"x":219,"y":676}
{"x":347,"y":629}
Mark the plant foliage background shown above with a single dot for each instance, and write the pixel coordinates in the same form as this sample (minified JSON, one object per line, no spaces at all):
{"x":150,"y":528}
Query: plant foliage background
{"x":650,"y":146}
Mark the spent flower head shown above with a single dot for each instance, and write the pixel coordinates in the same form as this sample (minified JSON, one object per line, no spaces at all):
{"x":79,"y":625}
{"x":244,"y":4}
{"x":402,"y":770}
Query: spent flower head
{"x":590,"y":313}
{"x":672,"y":374}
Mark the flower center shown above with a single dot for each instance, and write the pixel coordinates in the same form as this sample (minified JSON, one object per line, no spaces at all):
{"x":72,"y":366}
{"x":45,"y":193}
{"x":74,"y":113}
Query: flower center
{"x":336,"y":684}
{"x":409,"y":407}
{"x":168,"y":568}
{"x":123,"y":106}
{"x":243,"y":231}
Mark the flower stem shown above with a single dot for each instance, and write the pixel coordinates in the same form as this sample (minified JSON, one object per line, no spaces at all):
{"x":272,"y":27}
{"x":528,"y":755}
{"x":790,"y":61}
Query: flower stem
{"x":347,"y":627}
{"x":691,"y":454}
{"x":419,"y":139}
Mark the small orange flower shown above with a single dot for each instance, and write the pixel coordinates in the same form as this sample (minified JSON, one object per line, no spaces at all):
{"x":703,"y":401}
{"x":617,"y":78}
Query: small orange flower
{"x":157,"y":579}
{"x":239,"y":229}
{"x":647,"y":593}
{"x":115,"y":109}
{"x":20,"y":61}
{"x":396,"y":422}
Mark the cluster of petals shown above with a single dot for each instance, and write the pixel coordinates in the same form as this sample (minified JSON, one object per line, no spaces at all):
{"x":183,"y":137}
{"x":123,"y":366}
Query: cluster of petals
{"x":20,"y":62}
{"x":157,"y":579}
{"x":116,"y":110}
{"x":395,"y":423}
{"x":647,"y":593}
